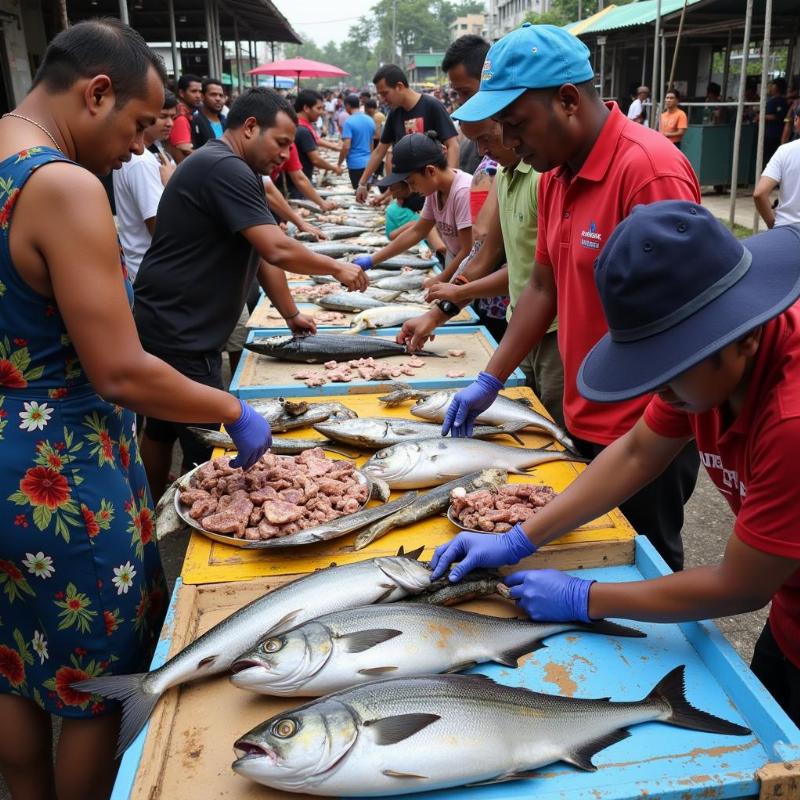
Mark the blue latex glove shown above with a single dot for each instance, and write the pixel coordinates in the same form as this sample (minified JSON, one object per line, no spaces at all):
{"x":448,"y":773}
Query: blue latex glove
{"x":252,"y":436}
{"x":467,"y":404}
{"x":365,"y":262}
{"x":549,"y":595}
{"x":475,"y":550}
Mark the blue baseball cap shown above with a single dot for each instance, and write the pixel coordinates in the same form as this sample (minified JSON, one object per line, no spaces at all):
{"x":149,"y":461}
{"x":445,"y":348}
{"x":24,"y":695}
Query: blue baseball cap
{"x":531,"y":57}
{"x":676,"y":287}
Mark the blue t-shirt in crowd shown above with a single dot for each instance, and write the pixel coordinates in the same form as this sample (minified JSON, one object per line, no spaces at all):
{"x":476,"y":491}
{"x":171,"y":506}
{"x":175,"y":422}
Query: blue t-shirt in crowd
{"x":217,"y":128}
{"x":360,"y":130}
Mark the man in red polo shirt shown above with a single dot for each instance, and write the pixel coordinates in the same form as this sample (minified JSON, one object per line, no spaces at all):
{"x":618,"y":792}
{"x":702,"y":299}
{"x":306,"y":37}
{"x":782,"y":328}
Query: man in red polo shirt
{"x":597,"y":165}
{"x":710,"y":324}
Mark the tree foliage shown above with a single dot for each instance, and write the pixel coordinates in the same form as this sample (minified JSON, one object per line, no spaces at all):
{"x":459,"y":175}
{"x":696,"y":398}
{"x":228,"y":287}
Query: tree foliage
{"x":422,"y":26}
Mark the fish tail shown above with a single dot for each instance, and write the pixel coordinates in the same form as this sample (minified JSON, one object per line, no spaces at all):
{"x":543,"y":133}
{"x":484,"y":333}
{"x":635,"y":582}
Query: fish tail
{"x":137,"y":704}
{"x":671,"y":690}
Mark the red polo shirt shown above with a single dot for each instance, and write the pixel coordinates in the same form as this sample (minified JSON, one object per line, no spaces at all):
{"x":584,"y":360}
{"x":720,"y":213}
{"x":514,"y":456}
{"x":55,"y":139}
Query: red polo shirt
{"x":753,"y":462}
{"x":292,"y":164}
{"x":629,"y":165}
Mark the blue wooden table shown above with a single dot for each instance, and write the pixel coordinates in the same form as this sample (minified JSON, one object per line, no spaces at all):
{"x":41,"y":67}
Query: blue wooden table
{"x":657,"y":761}
{"x":262,"y":376}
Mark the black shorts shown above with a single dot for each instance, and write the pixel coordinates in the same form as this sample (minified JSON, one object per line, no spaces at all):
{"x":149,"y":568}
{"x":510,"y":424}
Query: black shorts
{"x":205,"y":369}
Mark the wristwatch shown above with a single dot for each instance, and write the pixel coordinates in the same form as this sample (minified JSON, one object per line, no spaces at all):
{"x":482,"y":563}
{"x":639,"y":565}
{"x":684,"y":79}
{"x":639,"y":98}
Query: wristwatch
{"x":447,"y":308}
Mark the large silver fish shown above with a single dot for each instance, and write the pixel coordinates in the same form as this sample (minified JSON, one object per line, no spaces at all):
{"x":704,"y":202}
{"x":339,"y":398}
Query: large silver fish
{"x":344,"y":649}
{"x":386,"y":316}
{"x":379,"y":580}
{"x":322,"y":347}
{"x":337,"y":249}
{"x":407,"y":735}
{"x":281,"y":446}
{"x":430,"y":462}
{"x":405,"y":282}
{"x":403,"y":261}
{"x":352,"y":301}
{"x":433,"y":502}
{"x":434,"y":407}
{"x":375,"y":433}
{"x":284,"y":415}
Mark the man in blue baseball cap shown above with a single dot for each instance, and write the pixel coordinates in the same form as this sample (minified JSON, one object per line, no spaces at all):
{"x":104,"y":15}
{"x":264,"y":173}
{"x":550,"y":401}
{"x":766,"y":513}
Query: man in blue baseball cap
{"x":712,"y":326}
{"x":597,"y":165}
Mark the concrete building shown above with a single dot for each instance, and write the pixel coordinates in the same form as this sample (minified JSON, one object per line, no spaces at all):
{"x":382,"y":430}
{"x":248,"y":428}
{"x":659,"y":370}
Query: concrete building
{"x":470,"y":24}
{"x":505,"y":15}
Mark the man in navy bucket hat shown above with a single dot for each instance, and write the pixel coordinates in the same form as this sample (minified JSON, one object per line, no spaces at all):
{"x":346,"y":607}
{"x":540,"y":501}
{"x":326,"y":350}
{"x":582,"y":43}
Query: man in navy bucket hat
{"x":712,"y":326}
{"x":596,"y":166}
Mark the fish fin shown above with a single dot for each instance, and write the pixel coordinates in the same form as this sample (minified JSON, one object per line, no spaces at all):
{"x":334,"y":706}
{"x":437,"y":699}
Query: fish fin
{"x":582,"y":756}
{"x":393,"y":773}
{"x":671,"y":689}
{"x":515,"y":471}
{"x":137,"y":705}
{"x":523,"y":401}
{"x":613,"y":629}
{"x":462,"y":667}
{"x":387,"y":594}
{"x":391,"y":730}
{"x":376,"y":670}
{"x":363,"y":640}
{"x":510,"y":657}
{"x":506,"y":776}
{"x":207,"y":661}
{"x":412,"y":554}
{"x":285,"y":621}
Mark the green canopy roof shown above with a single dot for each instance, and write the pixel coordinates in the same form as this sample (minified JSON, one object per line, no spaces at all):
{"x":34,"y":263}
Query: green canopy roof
{"x":642,"y":12}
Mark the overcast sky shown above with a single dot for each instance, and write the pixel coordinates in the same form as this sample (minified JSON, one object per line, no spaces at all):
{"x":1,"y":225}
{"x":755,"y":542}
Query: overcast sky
{"x":323,"y":20}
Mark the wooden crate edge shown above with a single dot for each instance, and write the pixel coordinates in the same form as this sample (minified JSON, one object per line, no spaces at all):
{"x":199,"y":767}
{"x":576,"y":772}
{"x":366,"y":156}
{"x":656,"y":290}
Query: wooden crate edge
{"x":779,"y":780}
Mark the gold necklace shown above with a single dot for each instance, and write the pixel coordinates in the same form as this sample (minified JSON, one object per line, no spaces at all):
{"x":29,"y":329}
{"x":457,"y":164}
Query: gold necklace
{"x":40,"y":127}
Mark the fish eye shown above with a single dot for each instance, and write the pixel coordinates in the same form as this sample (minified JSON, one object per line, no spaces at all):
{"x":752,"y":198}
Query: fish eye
{"x":272,"y":645}
{"x":284,"y":728}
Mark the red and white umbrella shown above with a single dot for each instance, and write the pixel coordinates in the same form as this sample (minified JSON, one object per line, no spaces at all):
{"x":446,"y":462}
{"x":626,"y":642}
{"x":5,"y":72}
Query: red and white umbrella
{"x":299,"y":68}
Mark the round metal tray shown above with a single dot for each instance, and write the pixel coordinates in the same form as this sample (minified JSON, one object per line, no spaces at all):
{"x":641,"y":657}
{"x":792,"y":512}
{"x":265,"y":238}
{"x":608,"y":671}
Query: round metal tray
{"x":451,"y":516}
{"x":183,"y":512}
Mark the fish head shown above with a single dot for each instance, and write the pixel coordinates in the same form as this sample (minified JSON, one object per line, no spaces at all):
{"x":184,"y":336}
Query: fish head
{"x":282,"y":663}
{"x":410,"y":576}
{"x":433,"y":406}
{"x":393,"y":463}
{"x":297,"y":748}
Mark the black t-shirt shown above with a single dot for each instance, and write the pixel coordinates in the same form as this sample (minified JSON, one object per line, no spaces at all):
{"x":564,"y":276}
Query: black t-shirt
{"x":427,"y":115}
{"x":774,"y":127}
{"x":194,"y":279}
{"x":305,"y":143}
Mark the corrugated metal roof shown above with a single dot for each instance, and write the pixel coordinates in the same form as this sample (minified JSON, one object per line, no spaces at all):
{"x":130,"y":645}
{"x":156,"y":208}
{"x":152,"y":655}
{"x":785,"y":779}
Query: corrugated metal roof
{"x":577,"y":28}
{"x":642,"y":12}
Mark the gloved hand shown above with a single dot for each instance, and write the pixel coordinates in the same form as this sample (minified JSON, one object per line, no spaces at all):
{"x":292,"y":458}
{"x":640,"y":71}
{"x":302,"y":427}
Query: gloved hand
{"x":469,"y":403}
{"x":365,"y":262}
{"x":252,"y":436}
{"x":549,"y":595}
{"x":475,"y":550}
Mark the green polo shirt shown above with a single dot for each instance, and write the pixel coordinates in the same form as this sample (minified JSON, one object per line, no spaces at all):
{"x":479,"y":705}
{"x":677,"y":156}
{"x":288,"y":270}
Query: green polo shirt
{"x":517,"y":189}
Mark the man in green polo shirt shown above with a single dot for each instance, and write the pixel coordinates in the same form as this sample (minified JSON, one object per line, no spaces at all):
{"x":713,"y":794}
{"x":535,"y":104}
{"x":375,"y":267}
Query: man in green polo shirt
{"x":511,"y":240}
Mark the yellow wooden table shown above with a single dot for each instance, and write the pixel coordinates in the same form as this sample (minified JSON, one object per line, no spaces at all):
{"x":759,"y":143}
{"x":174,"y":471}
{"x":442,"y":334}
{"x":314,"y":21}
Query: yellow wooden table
{"x":605,"y":541}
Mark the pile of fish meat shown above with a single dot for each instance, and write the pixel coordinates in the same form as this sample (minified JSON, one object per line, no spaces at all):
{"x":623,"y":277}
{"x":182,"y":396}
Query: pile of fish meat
{"x":277,"y":497}
{"x":498,"y":511}
{"x":309,"y":294}
{"x":367,"y":369}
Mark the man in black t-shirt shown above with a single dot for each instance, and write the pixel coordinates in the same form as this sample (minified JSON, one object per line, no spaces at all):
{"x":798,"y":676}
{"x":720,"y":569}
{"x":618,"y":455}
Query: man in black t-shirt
{"x":411,"y":112}
{"x":214,"y":234}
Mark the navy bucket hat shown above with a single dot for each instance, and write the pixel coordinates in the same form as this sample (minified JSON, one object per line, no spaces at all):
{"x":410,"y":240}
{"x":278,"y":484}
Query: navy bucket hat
{"x":677,"y":286}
